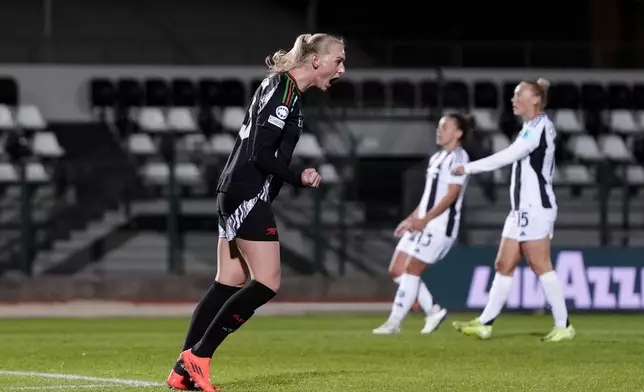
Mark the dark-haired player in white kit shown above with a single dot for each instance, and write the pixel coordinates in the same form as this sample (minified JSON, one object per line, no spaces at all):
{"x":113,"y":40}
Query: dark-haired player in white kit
{"x":530,"y":224}
{"x":429,"y":232}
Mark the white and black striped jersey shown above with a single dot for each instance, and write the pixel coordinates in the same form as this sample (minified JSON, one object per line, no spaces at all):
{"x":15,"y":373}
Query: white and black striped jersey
{"x":439,"y":177}
{"x":533,"y":158}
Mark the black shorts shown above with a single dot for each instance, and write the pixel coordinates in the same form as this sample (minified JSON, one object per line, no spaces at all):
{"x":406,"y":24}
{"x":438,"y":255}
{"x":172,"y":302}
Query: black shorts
{"x":251,"y":220}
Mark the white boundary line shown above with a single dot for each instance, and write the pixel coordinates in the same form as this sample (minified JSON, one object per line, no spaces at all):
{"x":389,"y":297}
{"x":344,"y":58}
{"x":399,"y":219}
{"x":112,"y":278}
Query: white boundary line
{"x":60,"y":387}
{"x":61,"y":376}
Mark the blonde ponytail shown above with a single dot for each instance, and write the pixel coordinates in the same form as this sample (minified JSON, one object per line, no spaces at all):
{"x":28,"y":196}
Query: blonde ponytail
{"x":304,"y":46}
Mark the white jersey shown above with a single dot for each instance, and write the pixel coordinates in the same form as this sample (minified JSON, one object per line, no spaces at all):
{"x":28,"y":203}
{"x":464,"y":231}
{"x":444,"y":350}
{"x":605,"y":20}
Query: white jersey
{"x":533,"y":158}
{"x":439,"y":177}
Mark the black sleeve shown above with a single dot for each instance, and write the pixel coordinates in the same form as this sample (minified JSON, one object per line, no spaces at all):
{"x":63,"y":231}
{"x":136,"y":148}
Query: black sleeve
{"x":275,"y":140}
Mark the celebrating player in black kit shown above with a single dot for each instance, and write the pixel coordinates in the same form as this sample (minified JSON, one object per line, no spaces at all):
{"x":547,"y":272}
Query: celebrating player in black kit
{"x":255,"y":171}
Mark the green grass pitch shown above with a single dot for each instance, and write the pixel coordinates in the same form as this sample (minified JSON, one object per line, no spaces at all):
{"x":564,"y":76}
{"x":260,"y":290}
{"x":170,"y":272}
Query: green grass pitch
{"x":328,"y":353}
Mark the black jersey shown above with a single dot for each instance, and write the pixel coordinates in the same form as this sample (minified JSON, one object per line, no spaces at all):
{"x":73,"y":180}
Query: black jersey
{"x":264,"y":147}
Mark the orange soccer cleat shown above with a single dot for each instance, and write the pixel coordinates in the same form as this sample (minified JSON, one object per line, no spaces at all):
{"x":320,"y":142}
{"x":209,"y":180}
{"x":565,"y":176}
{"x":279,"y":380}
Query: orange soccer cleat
{"x":199,"y":370}
{"x":179,"y":382}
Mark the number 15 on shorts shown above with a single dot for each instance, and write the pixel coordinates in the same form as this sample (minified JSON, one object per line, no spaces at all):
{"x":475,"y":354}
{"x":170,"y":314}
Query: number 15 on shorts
{"x":522,"y":219}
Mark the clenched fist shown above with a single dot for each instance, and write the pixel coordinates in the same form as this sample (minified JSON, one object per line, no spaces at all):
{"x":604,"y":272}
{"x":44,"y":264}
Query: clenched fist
{"x":311,"y":178}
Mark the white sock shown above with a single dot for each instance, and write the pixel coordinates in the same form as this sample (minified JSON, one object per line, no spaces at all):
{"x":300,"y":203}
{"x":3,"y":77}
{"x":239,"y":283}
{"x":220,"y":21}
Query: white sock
{"x":397,"y":279}
{"x":425,"y":298}
{"x":555,"y":296}
{"x":499,"y":294}
{"x":405,"y":297}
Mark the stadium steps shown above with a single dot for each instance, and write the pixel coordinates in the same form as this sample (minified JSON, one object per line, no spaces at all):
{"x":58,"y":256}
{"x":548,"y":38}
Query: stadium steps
{"x":147,"y":253}
{"x":83,"y":246}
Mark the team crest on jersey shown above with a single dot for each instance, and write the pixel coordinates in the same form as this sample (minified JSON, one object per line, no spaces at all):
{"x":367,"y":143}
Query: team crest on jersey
{"x":281,"y":112}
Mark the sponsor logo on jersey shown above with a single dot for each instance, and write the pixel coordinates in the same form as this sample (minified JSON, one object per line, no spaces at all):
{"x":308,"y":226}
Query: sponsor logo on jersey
{"x":276,"y":121}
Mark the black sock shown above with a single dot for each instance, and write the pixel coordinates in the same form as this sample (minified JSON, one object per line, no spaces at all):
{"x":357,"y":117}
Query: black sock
{"x":205,"y":311}
{"x":233,"y":315}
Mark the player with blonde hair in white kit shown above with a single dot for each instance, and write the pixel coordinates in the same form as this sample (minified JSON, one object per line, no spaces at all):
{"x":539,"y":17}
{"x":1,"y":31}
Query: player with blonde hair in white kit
{"x":529,"y":227}
{"x":431,"y":229}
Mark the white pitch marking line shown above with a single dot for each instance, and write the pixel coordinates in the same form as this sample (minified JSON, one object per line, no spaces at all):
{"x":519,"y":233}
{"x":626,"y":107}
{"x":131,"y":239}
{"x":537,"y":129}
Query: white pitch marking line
{"x":61,"y":376}
{"x":59,"y":387}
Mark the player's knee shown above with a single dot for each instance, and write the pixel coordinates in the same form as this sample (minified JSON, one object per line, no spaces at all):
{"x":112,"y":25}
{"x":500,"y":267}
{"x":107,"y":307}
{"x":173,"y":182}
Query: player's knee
{"x":504,"y":266}
{"x":415,"y":267}
{"x":270,"y":280}
{"x":396,"y":270}
{"x":538,"y":256}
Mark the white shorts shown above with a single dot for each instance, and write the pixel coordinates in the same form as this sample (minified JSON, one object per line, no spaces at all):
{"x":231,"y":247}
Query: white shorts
{"x":530,"y":224}
{"x":428,"y":246}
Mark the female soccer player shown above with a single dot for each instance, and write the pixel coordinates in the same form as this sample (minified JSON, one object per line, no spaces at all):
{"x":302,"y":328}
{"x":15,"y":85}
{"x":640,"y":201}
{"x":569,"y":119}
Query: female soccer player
{"x":530,"y":224}
{"x":429,"y":232}
{"x":258,"y":165}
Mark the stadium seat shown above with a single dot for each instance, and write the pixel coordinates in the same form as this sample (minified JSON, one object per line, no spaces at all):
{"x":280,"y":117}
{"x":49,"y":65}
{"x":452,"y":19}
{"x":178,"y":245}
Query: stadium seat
{"x":328,"y":173}
{"x":3,"y":140}
{"x":232,"y":118}
{"x":486,"y":95}
{"x":623,"y":121}
{"x":102,"y":93}
{"x":6,"y":118}
{"x":486,"y":120}
{"x":343,"y":94}
{"x":509,"y":123}
{"x":222,"y":143}
{"x":181,"y":119}
{"x":207,"y":121}
{"x":195,"y":142}
{"x":456,"y":95}
{"x":508,"y":93}
{"x":564,"y":96}
{"x":140,"y":144}
{"x":428,"y":94}
{"x":593,"y":97}
{"x":208,"y":92}
{"x":157,"y":92}
{"x":568,"y":121}
{"x":308,"y":147}
{"x":46,"y":144}
{"x":231,"y":93}
{"x":8,"y":91}
{"x":36,"y":172}
{"x":576,"y":175}
{"x":637,"y":96}
{"x":499,"y":142}
{"x":184,"y":93}
{"x":151,"y":119}
{"x":8,"y":173}
{"x":129,"y":93}
{"x":619,"y":96}
{"x":373,"y":94}
{"x":186,"y":173}
{"x":29,"y":117}
{"x":635,"y":175}
{"x":403,"y":94}
{"x":584,"y":147}
{"x":613,"y":148}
